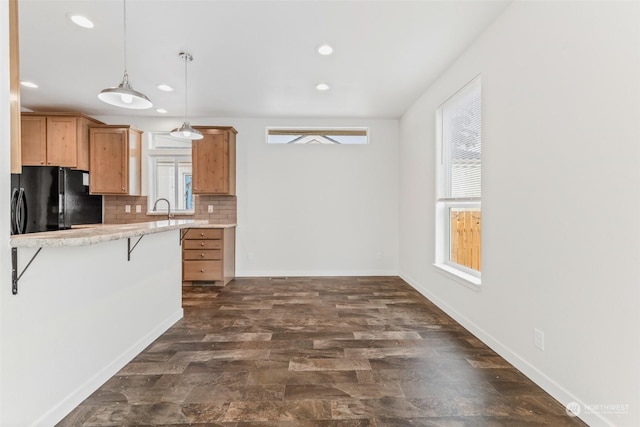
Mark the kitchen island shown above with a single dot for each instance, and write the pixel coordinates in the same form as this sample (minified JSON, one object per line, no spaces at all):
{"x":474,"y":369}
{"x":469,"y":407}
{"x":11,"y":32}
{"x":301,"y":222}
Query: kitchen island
{"x":87,"y":305}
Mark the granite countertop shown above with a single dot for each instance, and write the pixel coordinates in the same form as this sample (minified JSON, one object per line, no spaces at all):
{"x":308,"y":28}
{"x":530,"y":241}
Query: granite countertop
{"x":209,"y":225}
{"x":98,"y":233}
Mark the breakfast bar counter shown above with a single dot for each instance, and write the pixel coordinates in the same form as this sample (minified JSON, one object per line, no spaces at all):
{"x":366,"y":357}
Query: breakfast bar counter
{"x":98,"y":233}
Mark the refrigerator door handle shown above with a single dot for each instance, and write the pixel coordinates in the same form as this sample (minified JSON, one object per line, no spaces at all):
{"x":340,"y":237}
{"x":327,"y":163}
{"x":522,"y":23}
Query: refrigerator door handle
{"x":14,"y":211}
{"x":21,"y":212}
{"x":62,"y":194}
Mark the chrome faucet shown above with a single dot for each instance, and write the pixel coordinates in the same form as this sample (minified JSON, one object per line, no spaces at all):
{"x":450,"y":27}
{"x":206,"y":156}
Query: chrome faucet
{"x":155,"y":207}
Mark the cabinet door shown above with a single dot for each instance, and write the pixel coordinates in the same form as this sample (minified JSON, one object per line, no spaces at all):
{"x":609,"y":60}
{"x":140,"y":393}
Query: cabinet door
{"x":108,"y":157}
{"x":82,"y":138}
{"x":202,"y":271}
{"x":34,"y":140}
{"x":211,"y":164}
{"x":62,"y":141}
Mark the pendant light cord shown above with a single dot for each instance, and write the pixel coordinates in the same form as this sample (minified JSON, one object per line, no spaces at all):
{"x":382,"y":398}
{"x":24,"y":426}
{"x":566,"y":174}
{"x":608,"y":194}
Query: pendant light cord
{"x":186,"y":85}
{"x":124,"y":14}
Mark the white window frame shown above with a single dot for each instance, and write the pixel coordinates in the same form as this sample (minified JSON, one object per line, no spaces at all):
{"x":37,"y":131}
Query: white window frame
{"x":312,"y":132}
{"x":173,"y":154}
{"x":460,"y":273}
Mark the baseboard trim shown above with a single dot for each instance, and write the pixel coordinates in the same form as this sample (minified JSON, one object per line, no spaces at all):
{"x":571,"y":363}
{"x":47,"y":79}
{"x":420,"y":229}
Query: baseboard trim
{"x":558,"y":392}
{"x":320,"y":273}
{"x":64,"y":407}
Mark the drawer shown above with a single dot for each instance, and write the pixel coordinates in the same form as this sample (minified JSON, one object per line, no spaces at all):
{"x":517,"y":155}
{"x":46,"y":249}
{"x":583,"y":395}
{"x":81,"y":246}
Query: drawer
{"x":202,"y":244}
{"x":201,"y":270}
{"x":204,"y":233}
{"x":192,"y":254}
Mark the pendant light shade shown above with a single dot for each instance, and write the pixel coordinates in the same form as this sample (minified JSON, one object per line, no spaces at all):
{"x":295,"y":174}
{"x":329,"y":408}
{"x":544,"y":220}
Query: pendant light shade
{"x":186,"y":131}
{"x":124,"y":95}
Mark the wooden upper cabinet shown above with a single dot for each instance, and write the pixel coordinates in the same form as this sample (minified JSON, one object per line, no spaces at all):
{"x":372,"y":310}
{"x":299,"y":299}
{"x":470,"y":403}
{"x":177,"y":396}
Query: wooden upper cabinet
{"x":214,"y":161}
{"x":115,"y":156}
{"x":34,"y":140}
{"x":62,"y":142}
{"x":56,"y":139}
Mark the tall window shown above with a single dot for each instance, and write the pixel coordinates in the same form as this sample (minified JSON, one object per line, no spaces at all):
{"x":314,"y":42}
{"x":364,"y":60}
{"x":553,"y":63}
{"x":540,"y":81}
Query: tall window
{"x":170,"y":173}
{"x":459,"y":214}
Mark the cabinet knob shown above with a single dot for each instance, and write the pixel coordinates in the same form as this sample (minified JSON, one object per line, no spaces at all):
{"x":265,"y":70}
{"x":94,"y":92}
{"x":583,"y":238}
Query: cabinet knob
{"x":202,"y":270}
{"x":202,"y":234}
{"x":201,"y":244}
{"x":201,"y":255}
{"x":41,"y":162}
{"x":48,"y":163}
{"x":122,"y":188}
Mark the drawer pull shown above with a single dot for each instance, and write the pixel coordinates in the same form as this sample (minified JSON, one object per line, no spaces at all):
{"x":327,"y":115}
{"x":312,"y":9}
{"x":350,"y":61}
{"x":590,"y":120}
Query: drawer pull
{"x":201,"y":244}
{"x":202,"y":270}
{"x":202,"y":234}
{"x":201,"y":255}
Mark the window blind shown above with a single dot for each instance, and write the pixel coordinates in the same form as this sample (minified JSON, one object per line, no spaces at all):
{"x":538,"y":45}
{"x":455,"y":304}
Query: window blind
{"x":462,"y":143}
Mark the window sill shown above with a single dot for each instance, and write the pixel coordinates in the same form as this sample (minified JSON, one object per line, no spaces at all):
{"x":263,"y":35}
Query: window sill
{"x":468,"y":280}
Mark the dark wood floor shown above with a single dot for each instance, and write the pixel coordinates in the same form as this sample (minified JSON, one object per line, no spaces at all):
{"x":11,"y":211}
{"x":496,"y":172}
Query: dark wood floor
{"x":317,"y":352}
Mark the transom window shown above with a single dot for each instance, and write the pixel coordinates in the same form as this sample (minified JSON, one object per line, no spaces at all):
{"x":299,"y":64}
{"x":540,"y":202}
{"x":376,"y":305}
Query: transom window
{"x":459,"y":214}
{"x":330,"y":136}
{"x":170,"y":173}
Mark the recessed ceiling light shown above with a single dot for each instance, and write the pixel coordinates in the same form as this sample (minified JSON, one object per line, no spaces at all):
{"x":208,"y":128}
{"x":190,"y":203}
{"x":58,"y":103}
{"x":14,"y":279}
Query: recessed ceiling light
{"x":323,"y":86}
{"x":162,"y":111}
{"x":81,"y":21}
{"x":29,"y":84}
{"x":325,"y":49}
{"x":164,"y":87}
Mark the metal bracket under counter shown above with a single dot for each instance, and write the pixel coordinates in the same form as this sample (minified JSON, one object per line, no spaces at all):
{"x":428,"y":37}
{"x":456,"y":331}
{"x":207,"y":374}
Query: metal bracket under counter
{"x":131,"y":248}
{"x":15,"y":277}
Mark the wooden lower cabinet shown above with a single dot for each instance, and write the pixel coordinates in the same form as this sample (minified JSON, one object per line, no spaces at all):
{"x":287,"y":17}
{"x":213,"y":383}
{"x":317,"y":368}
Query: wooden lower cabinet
{"x":208,"y":255}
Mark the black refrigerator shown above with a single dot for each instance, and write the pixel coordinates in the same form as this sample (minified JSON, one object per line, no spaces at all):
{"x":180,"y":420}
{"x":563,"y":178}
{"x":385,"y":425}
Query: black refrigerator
{"x":47,"y":198}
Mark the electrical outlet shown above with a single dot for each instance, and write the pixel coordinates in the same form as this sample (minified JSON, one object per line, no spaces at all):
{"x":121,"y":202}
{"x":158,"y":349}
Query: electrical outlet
{"x":138,"y":208}
{"x":210,"y":208}
{"x":538,"y":338}
{"x":127,"y":208}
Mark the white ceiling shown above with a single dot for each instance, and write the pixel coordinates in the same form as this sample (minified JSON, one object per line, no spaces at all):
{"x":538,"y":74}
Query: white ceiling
{"x":251,"y":58}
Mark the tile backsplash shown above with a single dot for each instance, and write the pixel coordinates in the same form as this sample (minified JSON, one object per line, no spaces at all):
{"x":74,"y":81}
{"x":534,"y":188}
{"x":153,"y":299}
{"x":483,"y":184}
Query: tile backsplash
{"x":224,"y":209}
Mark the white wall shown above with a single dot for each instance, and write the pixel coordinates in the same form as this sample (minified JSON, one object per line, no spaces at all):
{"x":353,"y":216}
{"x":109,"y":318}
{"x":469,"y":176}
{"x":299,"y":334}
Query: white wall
{"x":561,"y":198}
{"x":314,"y":209}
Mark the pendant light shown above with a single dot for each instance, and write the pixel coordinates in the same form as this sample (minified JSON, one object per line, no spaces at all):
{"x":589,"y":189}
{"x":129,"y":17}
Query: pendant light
{"x":124,"y":95}
{"x":186,"y":131}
